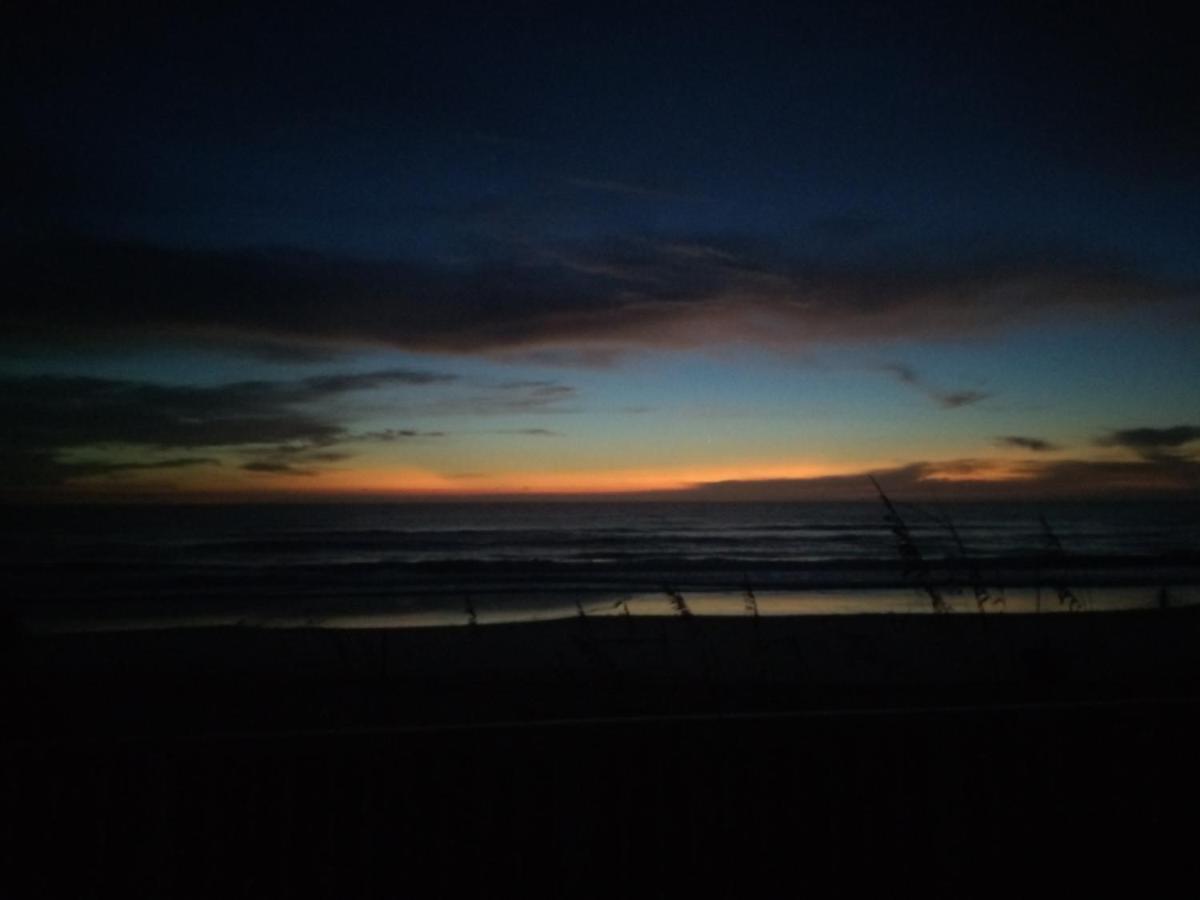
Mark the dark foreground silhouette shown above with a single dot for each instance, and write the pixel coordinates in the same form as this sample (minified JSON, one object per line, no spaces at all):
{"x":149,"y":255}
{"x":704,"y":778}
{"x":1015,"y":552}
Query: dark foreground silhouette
{"x":600,"y":758}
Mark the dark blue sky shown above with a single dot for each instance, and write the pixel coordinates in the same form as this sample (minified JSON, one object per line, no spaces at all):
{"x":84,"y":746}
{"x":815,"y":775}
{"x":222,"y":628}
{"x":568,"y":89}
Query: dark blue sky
{"x":531,"y":195}
{"x":370,"y":132}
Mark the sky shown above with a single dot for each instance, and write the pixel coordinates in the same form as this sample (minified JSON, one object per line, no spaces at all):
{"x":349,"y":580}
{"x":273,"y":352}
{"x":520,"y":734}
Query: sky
{"x":666,"y":250}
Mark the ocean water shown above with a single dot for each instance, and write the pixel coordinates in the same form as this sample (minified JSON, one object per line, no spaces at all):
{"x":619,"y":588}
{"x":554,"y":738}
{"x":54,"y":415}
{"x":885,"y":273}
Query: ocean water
{"x":313,"y":562}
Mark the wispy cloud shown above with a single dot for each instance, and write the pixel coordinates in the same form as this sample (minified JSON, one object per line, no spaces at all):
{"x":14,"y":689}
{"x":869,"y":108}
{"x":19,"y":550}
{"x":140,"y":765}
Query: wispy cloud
{"x":363,"y":381}
{"x":277,"y":467}
{"x":515,"y":397}
{"x":538,"y":391}
{"x":292,"y":459}
{"x":903,"y":373}
{"x":1021,"y":442}
{"x":906,"y":374}
{"x":956,"y":399}
{"x":390,"y":435}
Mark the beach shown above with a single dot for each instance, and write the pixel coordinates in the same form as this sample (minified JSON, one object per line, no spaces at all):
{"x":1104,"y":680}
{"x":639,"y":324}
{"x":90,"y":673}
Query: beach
{"x":192,"y":720}
{"x":79,"y":568}
{"x":969,"y":755}
{"x":302,"y":677}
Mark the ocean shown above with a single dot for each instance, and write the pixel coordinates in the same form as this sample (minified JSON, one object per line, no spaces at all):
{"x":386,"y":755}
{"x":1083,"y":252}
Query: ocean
{"x":403,"y":563}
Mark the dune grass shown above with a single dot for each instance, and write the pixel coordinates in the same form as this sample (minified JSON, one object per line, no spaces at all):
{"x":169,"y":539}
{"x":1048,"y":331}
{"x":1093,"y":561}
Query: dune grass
{"x":1056,"y":555}
{"x":678,"y":603}
{"x":974,"y":576}
{"x":915,"y":565}
{"x":748,"y":598}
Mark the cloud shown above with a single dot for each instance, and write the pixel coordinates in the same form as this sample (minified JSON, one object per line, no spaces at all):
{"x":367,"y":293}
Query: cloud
{"x":597,"y":298}
{"x":1153,"y":443}
{"x":292,"y":459}
{"x":276,"y":468}
{"x":1036,"y":445}
{"x":956,"y":399}
{"x":49,"y":419}
{"x":906,"y":374}
{"x":540,"y":392}
{"x":52,"y":410}
{"x":64,"y":411}
{"x":389,"y":435}
{"x":978,"y":480}
{"x":31,"y":469}
{"x":530,"y":432}
{"x":362,"y":381}
{"x":566,"y":357}
{"x":537,"y":397}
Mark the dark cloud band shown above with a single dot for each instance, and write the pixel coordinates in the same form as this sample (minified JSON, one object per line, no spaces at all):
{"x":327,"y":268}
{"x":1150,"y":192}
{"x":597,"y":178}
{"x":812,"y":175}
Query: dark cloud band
{"x":593,"y":298}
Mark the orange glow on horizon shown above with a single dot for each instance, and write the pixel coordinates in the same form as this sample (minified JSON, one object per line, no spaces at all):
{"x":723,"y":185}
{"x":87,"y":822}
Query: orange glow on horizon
{"x":226,"y":484}
{"x":401,"y":482}
{"x":981,"y":470}
{"x":615,"y":481}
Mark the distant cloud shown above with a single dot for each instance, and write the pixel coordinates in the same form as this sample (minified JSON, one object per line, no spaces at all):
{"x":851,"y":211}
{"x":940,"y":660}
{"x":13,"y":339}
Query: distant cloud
{"x":1153,"y":438}
{"x":975,"y":479}
{"x":292,"y":459}
{"x":276,"y":468}
{"x":55,"y":410}
{"x":483,"y":398}
{"x":362,"y":381}
{"x":1162,"y":444}
{"x":583,"y":300}
{"x":906,"y":374}
{"x":283,"y":426}
{"x":389,"y":435}
{"x":1037,"y":445}
{"x":530,"y":432}
{"x":511,"y":397}
{"x":32,"y":469}
{"x":543,"y":391}
{"x":566,"y":357}
{"x":955,"y":399}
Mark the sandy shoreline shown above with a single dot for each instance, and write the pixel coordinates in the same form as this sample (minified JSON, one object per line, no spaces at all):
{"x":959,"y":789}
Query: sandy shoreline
{"x":451,"y":607}
{"x":592,"y":666}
